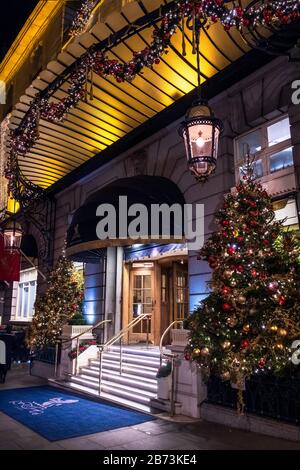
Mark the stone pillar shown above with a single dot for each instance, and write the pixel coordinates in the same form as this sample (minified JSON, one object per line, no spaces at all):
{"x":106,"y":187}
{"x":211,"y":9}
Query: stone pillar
{"x":190,"y":390}
{"x":113,"y":297}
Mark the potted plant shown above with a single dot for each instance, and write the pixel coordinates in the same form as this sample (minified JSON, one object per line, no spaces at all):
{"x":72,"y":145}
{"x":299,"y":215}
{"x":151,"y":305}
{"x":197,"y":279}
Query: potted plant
{"x":164,"y":381}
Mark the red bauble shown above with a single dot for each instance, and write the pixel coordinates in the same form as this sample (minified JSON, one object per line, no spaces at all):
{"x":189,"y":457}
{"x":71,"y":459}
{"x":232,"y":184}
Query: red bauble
{"x":254,"y":273}
{"x":281,"y":300}
{"x":226,"y":307}
{"x":240,"y":239}
{"x":240,"y":268}
{"x":225,"y":290}
{"x":231,"y":250}
{"x":266,"y":242}
{"x":245,"y":344}
{"x":262,"y":363}
{"x":187,"y":357}
{"x":225,"y":223}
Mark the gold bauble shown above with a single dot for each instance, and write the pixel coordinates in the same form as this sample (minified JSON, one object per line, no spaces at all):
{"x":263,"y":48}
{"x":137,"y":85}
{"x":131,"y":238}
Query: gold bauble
{"x":282,"y":332}
{"x":233,"y":283}
{"x":235,"y":233}
{"x":225,"y":376}
{"x":232,"y":321}
{"x":227,"y":274}
{"x":204,"y":352}
{"x":274,"y":328}
{"x":279,"y":346}
{"x":241,"y":299}
{"x":196,"y":352}
{"x":246,"y":328}
{"x":226,"y":344}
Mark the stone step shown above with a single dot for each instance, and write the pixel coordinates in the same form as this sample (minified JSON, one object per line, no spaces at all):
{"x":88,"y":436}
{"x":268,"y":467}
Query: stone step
{"x":132,"y":359}
{"x":135,"y":371}
{"x":137,"y":367}
{"x":106,"y":396}
{"x":120,"y":390}
{"x":115,"y":376}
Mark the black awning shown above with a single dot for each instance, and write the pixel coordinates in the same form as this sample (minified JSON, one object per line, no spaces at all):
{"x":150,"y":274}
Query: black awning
{"x":146,"y":190}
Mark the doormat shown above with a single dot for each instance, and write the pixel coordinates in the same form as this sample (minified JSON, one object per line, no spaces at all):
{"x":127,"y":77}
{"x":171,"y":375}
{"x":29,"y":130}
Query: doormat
{"x":57,"y":415}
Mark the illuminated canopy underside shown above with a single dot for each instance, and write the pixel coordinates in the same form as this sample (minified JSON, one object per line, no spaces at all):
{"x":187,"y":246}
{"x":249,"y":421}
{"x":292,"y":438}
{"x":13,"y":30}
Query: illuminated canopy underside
{"x":118,"y":108}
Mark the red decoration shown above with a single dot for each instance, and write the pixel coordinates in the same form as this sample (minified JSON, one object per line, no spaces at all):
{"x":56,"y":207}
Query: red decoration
{"x":245,"y":344}
{"x":226,"y":307}
{"x":10,"y":264}
{"x":282,"y":300}
{"x":262,"y":363}
{"x":231,"y":250}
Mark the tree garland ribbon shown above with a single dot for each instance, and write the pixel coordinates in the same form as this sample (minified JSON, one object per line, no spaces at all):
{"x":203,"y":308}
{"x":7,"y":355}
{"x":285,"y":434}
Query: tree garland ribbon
{"x":94,"y":61}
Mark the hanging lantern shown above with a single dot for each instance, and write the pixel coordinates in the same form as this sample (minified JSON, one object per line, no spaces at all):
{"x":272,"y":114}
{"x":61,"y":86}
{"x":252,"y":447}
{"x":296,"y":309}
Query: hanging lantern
{"x":201,"y":131}
{"x":12,"y":236}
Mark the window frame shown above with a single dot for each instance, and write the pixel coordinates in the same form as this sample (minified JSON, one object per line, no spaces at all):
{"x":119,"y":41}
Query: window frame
{"x":30,"y":280}
{"x":266,"y":151}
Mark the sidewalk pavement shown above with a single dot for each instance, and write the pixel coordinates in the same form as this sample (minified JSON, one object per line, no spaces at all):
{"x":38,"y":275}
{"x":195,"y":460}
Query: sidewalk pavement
{"x":159,"y":434}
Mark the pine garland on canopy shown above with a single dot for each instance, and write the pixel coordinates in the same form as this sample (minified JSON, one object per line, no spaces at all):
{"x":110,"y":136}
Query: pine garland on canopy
{"x":59,"y":304}
{"x":249,"y":321}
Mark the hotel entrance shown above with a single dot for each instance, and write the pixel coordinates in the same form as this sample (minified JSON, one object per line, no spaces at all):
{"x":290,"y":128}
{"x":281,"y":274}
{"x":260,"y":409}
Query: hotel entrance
{"x":158,"y":287}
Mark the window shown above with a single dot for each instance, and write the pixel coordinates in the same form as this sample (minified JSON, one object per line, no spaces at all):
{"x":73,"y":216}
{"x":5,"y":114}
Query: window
{"x":281,"y":160}
{"x":26,"y":294}
{"x":279,"y":132}
{"x":269,"y":144}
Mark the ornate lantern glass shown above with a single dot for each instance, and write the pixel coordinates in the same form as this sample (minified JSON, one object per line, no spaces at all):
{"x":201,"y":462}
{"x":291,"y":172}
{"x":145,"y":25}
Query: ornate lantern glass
{"x":201,"y":131}
{"x":12,"y":236}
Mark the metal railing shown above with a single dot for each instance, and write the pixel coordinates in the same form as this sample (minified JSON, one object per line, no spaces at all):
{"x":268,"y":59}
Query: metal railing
{"x":170,"y":357}
{"x":119,"y":337}
{"x":77,"y":338}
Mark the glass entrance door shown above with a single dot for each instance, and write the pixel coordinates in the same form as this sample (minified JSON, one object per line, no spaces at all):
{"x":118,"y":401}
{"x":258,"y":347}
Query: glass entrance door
{"x":141,"y":291}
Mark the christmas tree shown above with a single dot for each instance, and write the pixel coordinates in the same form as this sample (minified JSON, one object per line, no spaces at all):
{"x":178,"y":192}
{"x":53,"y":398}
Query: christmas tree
{"x":59,"y":304}
{"x":248,"y":322}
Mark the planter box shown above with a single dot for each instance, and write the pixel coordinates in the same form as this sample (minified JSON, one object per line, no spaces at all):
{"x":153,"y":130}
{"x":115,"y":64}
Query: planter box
{"x":180,"y":337}
{"x":70,"y":331}
{"x":164,"y":388}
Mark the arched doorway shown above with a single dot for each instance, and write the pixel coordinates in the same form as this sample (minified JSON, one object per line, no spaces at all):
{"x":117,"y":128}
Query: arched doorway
{"x":151,"y":275}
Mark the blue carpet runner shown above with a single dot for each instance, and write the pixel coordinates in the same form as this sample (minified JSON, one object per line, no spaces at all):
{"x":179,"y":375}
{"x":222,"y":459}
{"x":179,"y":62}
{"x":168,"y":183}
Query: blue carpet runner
{"x":56,"y":414}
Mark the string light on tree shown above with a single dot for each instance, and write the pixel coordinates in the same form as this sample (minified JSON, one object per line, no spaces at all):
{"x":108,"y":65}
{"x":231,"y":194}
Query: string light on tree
{"x":251,"y":317}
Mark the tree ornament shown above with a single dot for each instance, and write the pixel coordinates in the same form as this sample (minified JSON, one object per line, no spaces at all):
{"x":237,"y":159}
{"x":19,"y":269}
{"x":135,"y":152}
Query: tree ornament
{"x":225,"y":290}
{"x":196,"y":352}
{"x":204,"y":351}
{"x":246,"y":328}
{"x":281,"y":332}
{"x":225,"y":376}
{"x":226,"y":344}
{"x":273,"y":286}
{"x":231,"y":250}
{"x":241,"y":299}
{"x":245,"y":344}
{"x":282,"y":300}
{"x":262,"y":362}
{"x":274,"y":328}
{"x":226,"y":307}
{"x":232,"y":321}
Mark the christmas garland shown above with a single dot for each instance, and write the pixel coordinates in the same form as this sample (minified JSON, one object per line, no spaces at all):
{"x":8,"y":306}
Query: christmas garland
{"x":24,"y":137}
{"x":81,"y":18}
